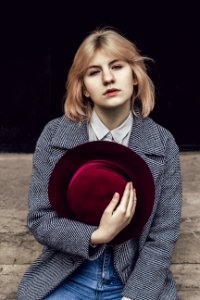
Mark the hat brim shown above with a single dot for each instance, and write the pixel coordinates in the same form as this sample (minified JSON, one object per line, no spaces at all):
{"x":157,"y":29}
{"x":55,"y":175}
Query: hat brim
{"x":129,"y":161}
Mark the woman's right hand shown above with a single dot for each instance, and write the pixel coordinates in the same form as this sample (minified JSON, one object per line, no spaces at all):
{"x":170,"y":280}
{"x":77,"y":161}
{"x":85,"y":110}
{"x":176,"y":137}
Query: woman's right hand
{"x":116,"y":216}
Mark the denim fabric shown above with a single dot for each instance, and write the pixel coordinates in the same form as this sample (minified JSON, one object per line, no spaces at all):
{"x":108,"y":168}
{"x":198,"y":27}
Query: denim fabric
{"x":94,"y":280}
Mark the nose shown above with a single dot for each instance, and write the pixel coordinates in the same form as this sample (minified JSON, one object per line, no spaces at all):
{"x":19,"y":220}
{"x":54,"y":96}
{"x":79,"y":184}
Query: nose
{"x":108,"y":77}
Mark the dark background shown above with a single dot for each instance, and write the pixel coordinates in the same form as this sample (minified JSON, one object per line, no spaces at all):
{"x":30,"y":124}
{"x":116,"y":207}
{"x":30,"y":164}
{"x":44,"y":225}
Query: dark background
{"x":38,"y":42}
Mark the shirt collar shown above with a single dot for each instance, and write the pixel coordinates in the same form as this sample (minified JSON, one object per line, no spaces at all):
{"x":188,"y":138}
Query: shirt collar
{"x":118,"y":133}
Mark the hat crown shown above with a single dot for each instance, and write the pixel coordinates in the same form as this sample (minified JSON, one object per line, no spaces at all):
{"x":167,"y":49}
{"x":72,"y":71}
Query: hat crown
{"x":95,"y":182}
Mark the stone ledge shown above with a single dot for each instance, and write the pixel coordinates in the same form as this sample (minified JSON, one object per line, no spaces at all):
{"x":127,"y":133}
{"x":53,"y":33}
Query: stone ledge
{"x":188,"y":245}
{"x":187,"y":276}
{"x":10,"y":278}
{"x":189,"y":295}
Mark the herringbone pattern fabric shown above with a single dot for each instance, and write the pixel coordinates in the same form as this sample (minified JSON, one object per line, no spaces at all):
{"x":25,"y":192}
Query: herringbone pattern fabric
{"x":142,"y":263}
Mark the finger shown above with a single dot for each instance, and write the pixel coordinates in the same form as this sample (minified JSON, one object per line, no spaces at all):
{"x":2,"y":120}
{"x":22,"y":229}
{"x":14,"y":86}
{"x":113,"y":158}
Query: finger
{"x":113,"y":203}
{"x":125,"y":197}
{"x":132,"y":202}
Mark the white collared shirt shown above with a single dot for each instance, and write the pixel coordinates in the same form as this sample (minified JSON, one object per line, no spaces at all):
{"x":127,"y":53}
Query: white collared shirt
{"x":98,"y":131}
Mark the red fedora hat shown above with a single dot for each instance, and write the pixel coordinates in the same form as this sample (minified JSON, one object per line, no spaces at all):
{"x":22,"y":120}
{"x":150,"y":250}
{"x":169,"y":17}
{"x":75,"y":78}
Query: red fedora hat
{"x":86,"y":177}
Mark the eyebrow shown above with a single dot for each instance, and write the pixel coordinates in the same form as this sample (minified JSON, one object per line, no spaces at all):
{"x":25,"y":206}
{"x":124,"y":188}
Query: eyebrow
{"x":98,"y":66}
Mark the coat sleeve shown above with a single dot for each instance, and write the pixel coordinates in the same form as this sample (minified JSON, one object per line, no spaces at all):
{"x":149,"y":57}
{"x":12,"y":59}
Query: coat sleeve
{"x":48,"y":228}
{"x":148,"y":278}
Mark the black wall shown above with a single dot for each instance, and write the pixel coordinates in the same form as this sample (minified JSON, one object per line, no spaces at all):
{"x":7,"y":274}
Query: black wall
{"x":38,"y":44}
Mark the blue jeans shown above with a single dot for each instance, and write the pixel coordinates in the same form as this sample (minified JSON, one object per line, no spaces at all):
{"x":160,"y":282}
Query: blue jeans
{"x":94,"y":280}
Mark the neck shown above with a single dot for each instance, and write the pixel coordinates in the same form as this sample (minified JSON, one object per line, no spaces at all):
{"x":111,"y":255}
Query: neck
{"x":112,"y":118}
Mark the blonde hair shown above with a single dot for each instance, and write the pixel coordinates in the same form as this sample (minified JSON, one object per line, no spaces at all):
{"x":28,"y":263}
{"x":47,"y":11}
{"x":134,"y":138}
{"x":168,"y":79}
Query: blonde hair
{"x":76,"y":106}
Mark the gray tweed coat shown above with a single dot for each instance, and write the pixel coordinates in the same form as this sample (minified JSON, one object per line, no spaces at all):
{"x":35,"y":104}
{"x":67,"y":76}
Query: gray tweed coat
{"x":143,"y":262}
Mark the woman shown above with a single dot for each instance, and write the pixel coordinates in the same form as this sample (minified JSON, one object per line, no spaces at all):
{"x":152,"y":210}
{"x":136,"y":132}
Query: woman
{"x":108,"y":92}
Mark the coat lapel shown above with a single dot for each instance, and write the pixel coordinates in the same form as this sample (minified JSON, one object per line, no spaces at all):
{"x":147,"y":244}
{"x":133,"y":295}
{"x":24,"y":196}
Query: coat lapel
{"x":70,"y":134}
{"x":145,"y":140}
{"x":145,"y":137}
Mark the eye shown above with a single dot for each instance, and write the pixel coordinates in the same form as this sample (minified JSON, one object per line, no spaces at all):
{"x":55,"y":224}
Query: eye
{"x":93,"y":73}
{"x":117,"y":67}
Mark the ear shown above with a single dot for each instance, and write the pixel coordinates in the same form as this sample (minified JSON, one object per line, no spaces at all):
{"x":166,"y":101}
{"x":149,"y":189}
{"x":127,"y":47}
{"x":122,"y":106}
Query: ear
{"x":135,"y":82}
{"x":86,"y":94}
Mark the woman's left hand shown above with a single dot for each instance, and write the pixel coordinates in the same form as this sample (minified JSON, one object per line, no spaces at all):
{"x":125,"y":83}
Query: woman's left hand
{"x":116,"y":216}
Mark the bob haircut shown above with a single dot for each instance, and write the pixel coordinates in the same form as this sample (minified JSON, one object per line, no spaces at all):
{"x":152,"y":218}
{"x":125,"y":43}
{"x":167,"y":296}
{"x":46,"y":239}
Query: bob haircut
{"x":76,"y":105}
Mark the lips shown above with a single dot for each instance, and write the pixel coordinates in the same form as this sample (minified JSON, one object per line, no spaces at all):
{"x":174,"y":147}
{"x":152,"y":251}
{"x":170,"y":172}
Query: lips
{"x":111,"y":92}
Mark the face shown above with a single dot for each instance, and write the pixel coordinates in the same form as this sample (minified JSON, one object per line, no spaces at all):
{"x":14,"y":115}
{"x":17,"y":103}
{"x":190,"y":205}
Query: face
{"x":108,"y":82}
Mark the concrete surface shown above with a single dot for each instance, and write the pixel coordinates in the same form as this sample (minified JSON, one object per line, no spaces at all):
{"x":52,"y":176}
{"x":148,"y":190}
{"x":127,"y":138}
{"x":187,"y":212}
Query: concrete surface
{"x":18,"y":248}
